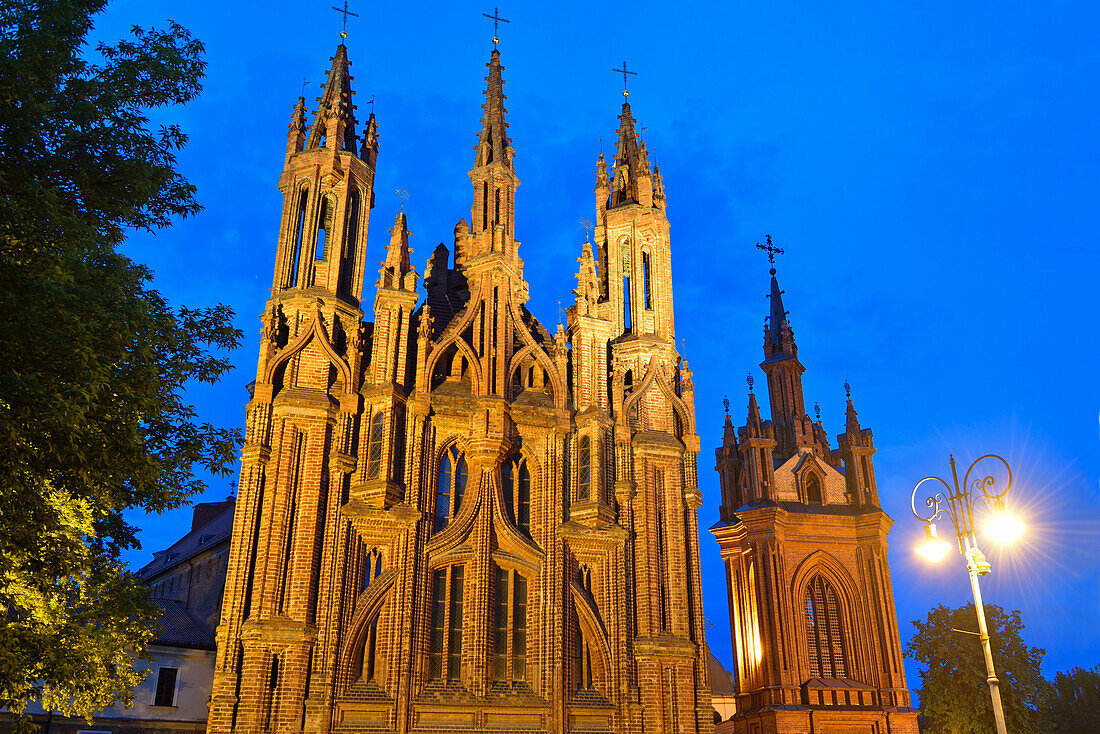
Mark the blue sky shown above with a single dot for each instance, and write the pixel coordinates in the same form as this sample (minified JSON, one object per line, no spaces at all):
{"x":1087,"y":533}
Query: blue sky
{"x":930,"y":169}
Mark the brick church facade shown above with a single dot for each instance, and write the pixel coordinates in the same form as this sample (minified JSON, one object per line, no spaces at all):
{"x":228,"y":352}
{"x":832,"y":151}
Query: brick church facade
{"x":803,"y":539}
{"x":451,"y":517}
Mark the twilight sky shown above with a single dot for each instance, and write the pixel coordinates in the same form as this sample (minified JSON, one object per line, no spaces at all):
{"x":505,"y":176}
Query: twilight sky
{"x":930,"y":169}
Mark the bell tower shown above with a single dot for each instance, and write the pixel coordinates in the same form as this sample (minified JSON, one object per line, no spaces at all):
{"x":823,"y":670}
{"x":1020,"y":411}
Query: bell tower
{"x":815,"y":638}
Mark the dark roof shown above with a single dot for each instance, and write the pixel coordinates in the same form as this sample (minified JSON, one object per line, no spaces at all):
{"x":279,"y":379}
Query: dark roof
{"x":178,"y":628}
{"x":215,"y":531}
{"x":721,"y":680}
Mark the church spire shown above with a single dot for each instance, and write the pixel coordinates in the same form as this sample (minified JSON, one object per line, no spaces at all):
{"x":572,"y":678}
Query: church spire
{"x":396,"y":268}
{"x":334,"y":122}
{"x":792,"y":425}
{"x":493,"y":144}
{"x":493,"y":175}
{"x":778,"y":335}
{"x":631,"y":182}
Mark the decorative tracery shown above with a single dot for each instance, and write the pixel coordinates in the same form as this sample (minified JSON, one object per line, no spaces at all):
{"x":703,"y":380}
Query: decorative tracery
{"x":450,"y":487}
{"x":515,"y":480}
{"x":828,"y":657}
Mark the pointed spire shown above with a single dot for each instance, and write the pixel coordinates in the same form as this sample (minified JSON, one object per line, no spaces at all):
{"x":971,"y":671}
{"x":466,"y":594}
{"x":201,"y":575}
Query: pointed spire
{"x":851,"y":422}
{"x":369,"y":151}
{"x":588,"y":286}
{"x":601,"y":172}
{"x":658,"y":188}
{"x":631,"y":164}
{"x":729,"y":433}
{"x":334,"y":122}
{"x":778,"y":335}
{"x":397,"y":267}
{"x":754,"y":422}
{"x":296,"y":135}
{"x":493,"y":144}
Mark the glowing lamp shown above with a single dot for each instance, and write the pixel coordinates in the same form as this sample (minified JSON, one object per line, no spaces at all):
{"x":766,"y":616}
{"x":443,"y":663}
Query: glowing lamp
{"x":933,"y":548}
{"x":1003,"y":527}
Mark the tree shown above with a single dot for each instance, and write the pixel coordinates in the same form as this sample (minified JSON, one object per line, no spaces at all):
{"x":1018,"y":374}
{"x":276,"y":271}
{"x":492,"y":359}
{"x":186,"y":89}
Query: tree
{"x":93,"y":420}
{"x":1072,"y":702}
{"x":954,"y":695}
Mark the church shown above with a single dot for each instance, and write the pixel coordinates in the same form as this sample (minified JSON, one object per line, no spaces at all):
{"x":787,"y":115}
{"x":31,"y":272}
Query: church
{"x":454,"y":519}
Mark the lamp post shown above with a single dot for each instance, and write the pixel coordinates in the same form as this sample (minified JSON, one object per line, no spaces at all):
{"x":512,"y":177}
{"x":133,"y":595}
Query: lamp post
{"x":958,"y":503}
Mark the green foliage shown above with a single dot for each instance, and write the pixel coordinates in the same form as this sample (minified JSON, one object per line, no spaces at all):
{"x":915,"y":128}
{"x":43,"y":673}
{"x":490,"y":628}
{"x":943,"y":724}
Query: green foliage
{"x":954,"y":696}
{"x":93,"y":420}
{"x":1073,"y":702}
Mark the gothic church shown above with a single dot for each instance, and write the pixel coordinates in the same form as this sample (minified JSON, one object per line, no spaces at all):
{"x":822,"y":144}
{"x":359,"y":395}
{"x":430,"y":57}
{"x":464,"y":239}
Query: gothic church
{"x":450,"y":517}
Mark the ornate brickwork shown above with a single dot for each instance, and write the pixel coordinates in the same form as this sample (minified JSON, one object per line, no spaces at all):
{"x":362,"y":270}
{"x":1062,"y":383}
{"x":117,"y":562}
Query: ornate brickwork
{"x":451,"y":518}
{"x":803,"y":538}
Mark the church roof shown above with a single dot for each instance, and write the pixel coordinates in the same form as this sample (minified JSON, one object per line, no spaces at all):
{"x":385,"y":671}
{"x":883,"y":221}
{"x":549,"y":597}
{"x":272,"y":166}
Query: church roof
{"x":178,"y":628}
{"x":213,"y":526}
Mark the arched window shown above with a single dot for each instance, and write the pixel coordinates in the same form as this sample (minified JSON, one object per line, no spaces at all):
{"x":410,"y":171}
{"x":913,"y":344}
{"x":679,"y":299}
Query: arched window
{"x":324,"y":226}
{"x":451,"y":485}
{"x":445,"y":641}
{"x":351,"y":238}
{"x":510,"y":627}
{"x":584,"y":468}
{"x":299,"y":232}
{"x":515,"y":482}
{"x":813,"y":489}
{"x":823,"y":631}
{"x":372,"y":567}
{"x":645,"y":280}
{"x":374,"y":446}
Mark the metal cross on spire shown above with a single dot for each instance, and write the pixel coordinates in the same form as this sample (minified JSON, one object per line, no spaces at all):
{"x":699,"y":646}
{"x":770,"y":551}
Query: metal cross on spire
{"x":771,"y":249}
{"x":403,"y":195}
{"x":497,"y":20}
{"x":624,"y":72}
{"x":346,"y":13}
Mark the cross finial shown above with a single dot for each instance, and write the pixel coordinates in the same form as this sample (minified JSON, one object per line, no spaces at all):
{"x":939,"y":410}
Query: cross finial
{"x":371,"y":103}
{"x":726,"y":403}
{"x":750,"y":381}
{"x":345,"y":12}
{"x":817,"y":412}
{"x":772,"y":251}
{"x":497,"y":20}
{"x":624,"y":72}
{"x":403,"y":195}
{"x":847,"y":390}
{"x":305,"y":81}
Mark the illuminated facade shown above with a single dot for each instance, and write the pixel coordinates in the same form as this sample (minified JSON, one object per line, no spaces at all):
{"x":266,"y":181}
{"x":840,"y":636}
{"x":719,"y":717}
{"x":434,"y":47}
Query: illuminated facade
{"x":803,"y":539}
{"x":450,"y":517}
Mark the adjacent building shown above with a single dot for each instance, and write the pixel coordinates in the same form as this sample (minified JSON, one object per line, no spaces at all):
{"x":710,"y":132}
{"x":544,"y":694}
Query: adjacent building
{"x":804,"y":539}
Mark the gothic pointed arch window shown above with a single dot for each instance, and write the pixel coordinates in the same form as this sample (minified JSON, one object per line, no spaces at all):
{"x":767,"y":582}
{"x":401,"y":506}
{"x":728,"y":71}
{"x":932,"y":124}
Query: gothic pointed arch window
{"x":450,"y":487}
{"x":813,"y":489}
{"x":445,"y":635}
{"x":515,"y":481}
{"x":824,"y":634}
{"x":374,"y":445}
{"x":324,"y":227}
{"x":298,"y":234}
{"x":584,"y":468}
{"x":509,"y":627}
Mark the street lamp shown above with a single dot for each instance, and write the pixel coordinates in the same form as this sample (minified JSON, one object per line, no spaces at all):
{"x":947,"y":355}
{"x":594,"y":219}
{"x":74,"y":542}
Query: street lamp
{"x":959,"y":504}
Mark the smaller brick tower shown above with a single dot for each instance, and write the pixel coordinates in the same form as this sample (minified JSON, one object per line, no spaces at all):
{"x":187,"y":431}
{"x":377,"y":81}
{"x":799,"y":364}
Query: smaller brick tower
{"x":815,"y":636}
